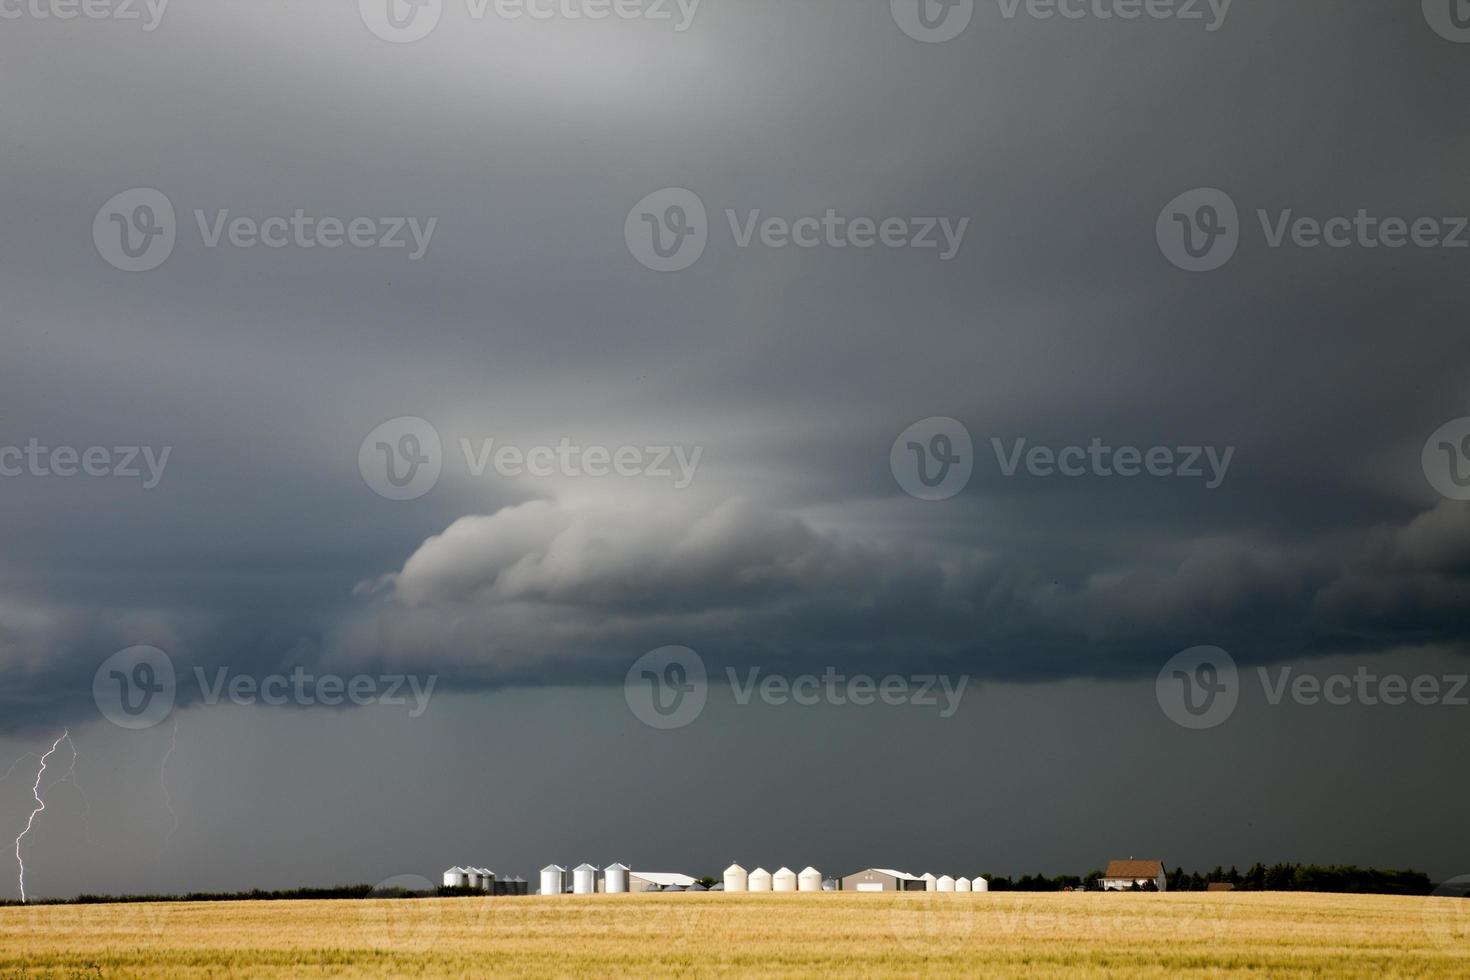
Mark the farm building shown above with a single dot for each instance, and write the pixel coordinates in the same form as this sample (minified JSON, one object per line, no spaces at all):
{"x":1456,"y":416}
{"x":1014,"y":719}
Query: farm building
{"x":615,"y":879}
{"x":648,"y":881}
{"x":931,"y":883}
{"x":944,"y":884}
{"x":1219,"y":886}
{"x":810,"y":880}
{"x":1123,"y":875}
{"x":736,"y":879}
{"x":584,"y":879}
{"x":759,"y":880}
{"x":553,"y":879}
{"x":882,"y":880}
{"x":980,"y":884}
{"x":962,"y":884}
{"x":783,"y":880}
{"x":457,"y":878}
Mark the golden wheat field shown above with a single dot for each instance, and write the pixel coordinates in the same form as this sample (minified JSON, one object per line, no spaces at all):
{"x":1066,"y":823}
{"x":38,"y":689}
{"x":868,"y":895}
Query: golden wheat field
{"x":934,"y":935}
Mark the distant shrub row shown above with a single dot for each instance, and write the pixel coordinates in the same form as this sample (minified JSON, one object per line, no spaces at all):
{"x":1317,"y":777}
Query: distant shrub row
{"x":257,"y":895}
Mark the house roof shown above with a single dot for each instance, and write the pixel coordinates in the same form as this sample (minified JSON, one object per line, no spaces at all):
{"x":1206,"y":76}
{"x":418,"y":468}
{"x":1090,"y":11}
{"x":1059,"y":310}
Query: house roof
{"x":1134,"y":869}
{"x":900,"y":875}
{"x":663,"y":878}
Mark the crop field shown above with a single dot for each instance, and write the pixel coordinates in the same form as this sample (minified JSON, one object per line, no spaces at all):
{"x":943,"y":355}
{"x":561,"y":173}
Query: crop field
{"x":999,"y":934}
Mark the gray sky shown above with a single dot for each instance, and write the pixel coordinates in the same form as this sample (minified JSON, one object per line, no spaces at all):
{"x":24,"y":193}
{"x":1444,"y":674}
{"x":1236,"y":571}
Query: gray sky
{"x":791,"y":372}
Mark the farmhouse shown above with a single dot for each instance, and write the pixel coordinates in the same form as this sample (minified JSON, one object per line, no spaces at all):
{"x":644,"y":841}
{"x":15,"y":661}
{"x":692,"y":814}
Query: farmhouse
{"x":882,"y":880}
{"x":1123,"y":875}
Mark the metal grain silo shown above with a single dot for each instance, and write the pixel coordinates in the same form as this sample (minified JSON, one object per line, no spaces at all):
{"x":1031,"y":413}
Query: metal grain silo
{"x":553,"y":879}
{"x":962,"y":884}
{"x":944,"y":883}
{"x":615,"y":879}
{"x":759,"y":881}
{"x":929,"y":881}
{"x":584,"y":879}
{"x":456,"y":878}
{"x":810,"y":880}
{"x":520,"y":886}
{"x":979,"y":884}
{"x":784,"y":880}
{"x":736,"y":880}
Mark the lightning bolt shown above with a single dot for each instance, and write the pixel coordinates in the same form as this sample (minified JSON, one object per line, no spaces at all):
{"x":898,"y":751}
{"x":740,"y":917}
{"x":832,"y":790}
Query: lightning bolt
{"x":40,"y":805}
{"x":71,"y":776}
{"x":168,"y":801}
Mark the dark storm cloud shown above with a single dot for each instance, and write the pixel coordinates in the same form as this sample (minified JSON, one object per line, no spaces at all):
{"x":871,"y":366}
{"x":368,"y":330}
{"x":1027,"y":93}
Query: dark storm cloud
{"x":528,"y":321}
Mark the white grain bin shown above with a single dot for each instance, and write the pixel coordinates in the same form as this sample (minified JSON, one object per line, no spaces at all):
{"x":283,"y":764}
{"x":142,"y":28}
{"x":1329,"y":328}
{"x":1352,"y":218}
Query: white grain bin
{"x":584,"y":879}
{"x":759,"y":880}
{"x":553,"y":879}
{"x":944,"y":884}
{"x":736,"y":880}
{"x":930,"y":882}
{"x":962,"y":884}
{"x":456,"y":878}
{"x":487,"y":879}
{"x":784,"y":880}
{"x":810,"y":880}
{"x":979,"y":884}
{"x":615,"y":879}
